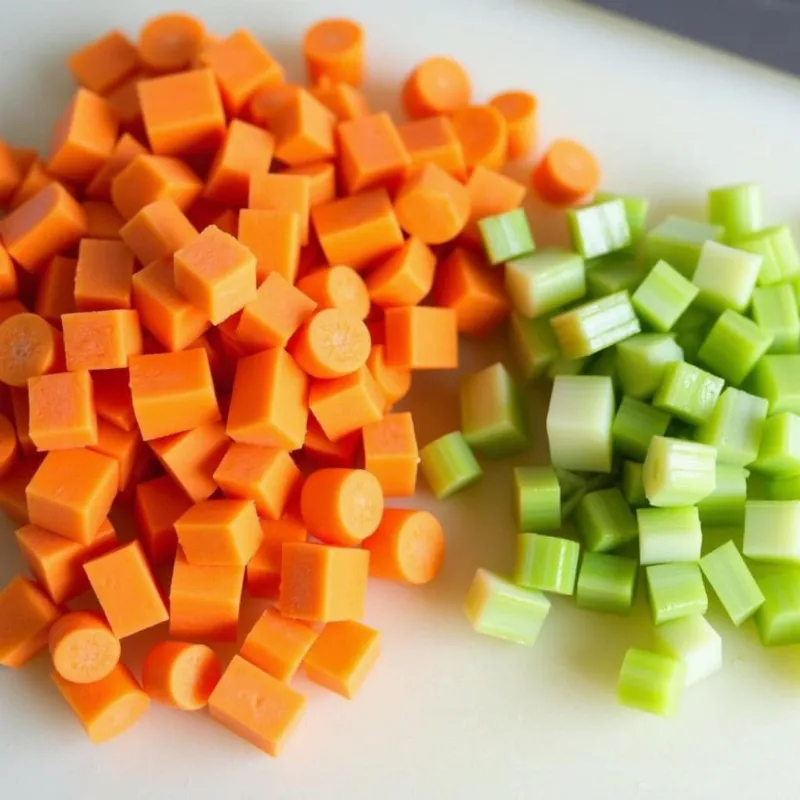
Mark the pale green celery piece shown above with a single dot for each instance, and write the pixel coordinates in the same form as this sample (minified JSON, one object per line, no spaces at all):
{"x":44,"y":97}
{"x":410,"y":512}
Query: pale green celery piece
{"x":777,"y":247}
{"x":725,"y":277}
{"x":449,"y":465}
{"x":690,"y":342}
{"x":669,"y":535}
{"x":787,"y":488}
{"x":735,"y":427}
{"x":739,"y":209}
{"x":779,"y":453}
{"x":533,"y":345}
{"x":733,"y":347}
{"x":593,"y":326}
{"x":579,"y":421}
{"x":567,"y":366}
{"x":537,"y":499}
{"x":693,"y":642}
{"x":636,"y":209}
{"x":663,"y":297}
{"x":642,"y":361}
{"x":675,"y":590}
{"x":694,"y":319}
{"x":573,"y":488}
{"x":544,"y":281}
{"x":678,"y":241}
{"x":506,"y":236}
{"x":606,"y":583}
{"x":778,"y":617}
{"x":632,"y":484}
{"x":775,"y":312}
{"x":651,"y":682}
{"x":678,"y":473}
{"x":777,"y":378}
{"x":546,"y":563}
{"x":605,"y":521}
{"x":493,"y":418}
{"x":605,"y":363}
{"x":732,"y":582}
{"x":599,"y":229}
{"x":634,"y":425}
{"x":772,"y":531}
{"x":688,"y":392}
{"x":497,"y":607}
{"x":611,"y":274}
{"x":725,"y":505}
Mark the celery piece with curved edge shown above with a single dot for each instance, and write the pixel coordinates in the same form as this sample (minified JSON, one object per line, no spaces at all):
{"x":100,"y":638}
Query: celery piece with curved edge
{"x":772,"y":531}
{"x":642,"y":361}
{"x":733,"y":347}
{"x":636,"y":209}
{"x":725,"y":505}
{"x":545,"y":281}
{"x":725,"y":277}
{"x":605,"y":521}
{"x":449,"y":465}
{"x":779,"y":452}
{"x":537,"y":499}
{"x":735,"y":427}
{"x":775,"y":312}
{"x":777,"y":247}
{"x":579,"y":420}
{"x":693,"y":642}
{"x":546,"y":563}
{"x":635,"y":423}
{"x":599,"y":229}
{"x":777,"y":378}
{"x":663,"y":296}
{"x":678,"y":473}
{"x":632,"y":484}
{"x":506,"y":236}
{"x":614,"y":273}
{"x":606,"y":583}
{"x":675,"y":591}
{"x":778,"y":617}
{"x":651,"y":682}
{"x":493,"y":419}
{"x":739,"y":209}
{"x":533,"y":345}
{"x":669,"y":535}
{"x":732,"y":582}
{"x":688,"y":392}
{"x":497,"y":607}
{"x":678,"y":241}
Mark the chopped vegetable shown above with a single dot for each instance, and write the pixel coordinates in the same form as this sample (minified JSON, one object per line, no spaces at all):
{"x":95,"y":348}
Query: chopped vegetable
{"x":606,"y":583}
{"x":679,"y":241}
{"x":678,"y":473}
{"x":634,"y":426}
{"x":688,"y":392}
{"x":675,"y":591}
{"x":506,"y":236}
{"x":547,"y":563}
{"x":735,"y":427}
{"x":448,"y":465}
{"x":733,"y":347}
{"x":663,"y":296}
{"x":693,"y":642}
{"x":600,"y":228}
{"x":669,"y":535}
{"x":651,"y":682}
{"x":549,"y":279}
{"x":605,"y":520}
{"x":537,"y":499}
{"x":729,"y":577}
{"x":772,"y":530}
{"x":725,"y":505}
{"x":775,"y":312}
{"x":642,"y":361}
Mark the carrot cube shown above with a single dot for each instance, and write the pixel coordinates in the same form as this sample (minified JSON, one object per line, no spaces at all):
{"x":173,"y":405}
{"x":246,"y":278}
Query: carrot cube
{"x":255,"y":706}
{"x":320,"y":583}
{"x":434,"y":140}
{"x":405,"y":278}
{"x":394,"y":382}
{"x":72,"y":492}
{"x":269,"y":404}
{"x":125,"y":150}
{"x":183,"y":113}
{"x":270,"y":192}
{"x":274,"y":239}
{"x":277,"y":644}
{"x":126,"y":590}
{"x":264,"y":568}
{"x":112,"y":398}
{"x":391,"y":454}
{"x":303,"y":129}
{"x":100,"y":340}
{"x":228,"y":221}
{"x":326,"y":452}
{"x":13,"y":500}
{"x":124,"y":100}
{"x":344,"y":405}
{"x":343,"y":100}
{"x":103,"y":221}
{"x":9,"y":284}
{"x":103,"y":64}
{"x":172,"y":392}
{"x":26,"y":615}
{"x":490,"y":193}
{"x":61,"y":411}
{"x":103,"y":277}
{"x":121,"y":445}
{"x":419,"y":337}
{"x":11,"y":173}
{"x":33,"y":181}
{"x":156,"y":507}
{"x":157,"y":231}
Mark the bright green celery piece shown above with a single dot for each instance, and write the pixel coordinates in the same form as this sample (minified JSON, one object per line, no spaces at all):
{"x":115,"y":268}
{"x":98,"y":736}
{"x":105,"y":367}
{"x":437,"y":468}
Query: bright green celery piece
{"x":777,"y":247}
{"x":605,"y":363}
{"x":651,"y":682}
{"x":678,"y":241}
{"x":778,"y":617}
{"x":668,"y":535}
{"x":675,"y":590}
{"x":573,"y":488}
{"x":579,"y":421}
{"x":497,"y":607}
{"x":735,"y":427}
{"x":777,"y":378}
{"x":691,"y":330}
{"x":544,"y":281}
{"x":739,"y":209}
{"x":606,"y":583}
{"x":733,"y":347}
{"x":632,"y":484}
{"x":779,"y":453}
{"x":772,"y":531}
{"x":567,"y":366}
{"x":693,"y":642}
{"x":636,"y":209}
{"x":642,"y":361}
{"x":605,"y":520}
{"x":493,"y":418}
{"x":614,"y":273}
{"x":546,"y":563}
{"x":593,"y":326}
{"x":506,"y":236}
{"x":678,"y":473}
{"x":775,"y":312}
{"x":634,"y":425}
{"x":537,"y":499}
{"x":725,"y":277}
{"x":449,"y":465}
{"x":599,"y":229}
{"x":663,"y":297}
{"x":688,"y":392}
{"x":533,"y":345}
{"x":725,"y":505}
{"x":732,"y":582}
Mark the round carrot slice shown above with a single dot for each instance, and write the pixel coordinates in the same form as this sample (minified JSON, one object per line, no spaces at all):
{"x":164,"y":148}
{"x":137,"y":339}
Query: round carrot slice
{"x":439,"y":85}
{"x":483,"y":133}
{"x":8,"y":444}
{"x":334,"y":49}
{"x":566,"y":173}
{"x":268,"y":101}
{"x":331,"y":344}
{"x":27,"y":348}
{"x":337,"y":287}
{"x":519,"y":110}
{"x":170,"y":42}
{"x":394,"y":382}
{"x":181,"y":675}
{"x":83,"y":648}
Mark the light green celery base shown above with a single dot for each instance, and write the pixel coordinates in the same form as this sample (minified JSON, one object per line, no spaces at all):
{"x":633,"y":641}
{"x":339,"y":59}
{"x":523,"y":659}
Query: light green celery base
{"x":732,"y":582}
{"x":778,"y":617}
{"x":777,"y":247}
{"x":777,"y":378}
{"x":733,"y":347}
{"x":614,"y":273}
{"x":546,"y":563}
{"x":636,"y":209}
{"x":605,"y":521}
{"x":725,"y":277}
{"x":533,"y":345}
{"x":537,"y":499}
{"x":725,"y":505}
{"x":663,"y":297}
{"x":506,"y":236}
{"x":448,"y":465}
{"x":545,"y":281}
{"x":651,"y":682}
{"x":688,"y":392}
{"x":675,"y":590}
{"x":739,"y":209}
{"x":677,"y":472}
{"x":678,"y":241}
{"x":775,"y":312}
{"x":599,"y":229}
{"x":779,"y":452}
{"x":632,"y":484}
{"x":669,"y":535}
{"x":642,"y":361}
{"x":693,"y":642}
{"x":772,"y":531}
{"x":735,"y":427}
{"x":606,"y":583}
{"x":635,"y":424}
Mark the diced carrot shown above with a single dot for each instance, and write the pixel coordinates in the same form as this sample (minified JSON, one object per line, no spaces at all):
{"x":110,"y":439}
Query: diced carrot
{"x":103,"y":276}
{"x":61,"y":408}
{"x":107,"y":708}
{"x":304,"y":130}
{"x":157,"y":231}
{"x":391,"y":454}
{"x":26,"y":615}
{"x":342,"y":99}
{"x":171,"y":42}
{"x":334,"y":49}
{"x":157,"y":506}
{"x":267,"y":101}
{"x":13,"y":499}
{"x":9,"y":285}
{"x":393,"y":382}
{"x":8,"y":444}
{"x":405,"y":278}
{"x":264,"y":568}
{"x":274,"y":239}
{"x":11,"y":173}
{"x":278,"y":644}
{"x":124,"y":102}
{"x":34,"y":179}
{"x":483,"y":133}
{"x":490,"y":193}
{"x":21,"y":414}
{"x":344,"y":405}
{"x":103,"y":64}
{"x":24,"y":157}
{"x":29,"y":347}
{"x":103,"y":221}
{"x":83,"y":648}
{"x":112,"y":398}
{"x":322,"y":175}
{"x":566,"y":173}
{"x":270,"y":192}
{"x":342,"y":656}
{"x":519,"y":110}
{"x":125,"y":150}
{"x":172,"y":392}
{"x":332,"y":344}
{"x":337,"y":287}
{"x":326,"y":452}
{"x":438,"y":85}
{"x":419,"y":337}
{"x":121,"y":445}
{"x":180,"y":674}
{"x":433,"y":140}
{"x":99,"y":340}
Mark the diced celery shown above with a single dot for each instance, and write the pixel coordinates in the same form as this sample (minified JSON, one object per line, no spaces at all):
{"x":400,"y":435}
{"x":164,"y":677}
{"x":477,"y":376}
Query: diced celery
{"x":725,"y":505}
{"x":567,"y":366}
{"x":506,"y":236}
{"x":735,"y":427}
{"x":635,"y":424}
{"x":497,"y":607}
{"x":772,"y":531}
{"x":777,"y":378}
{"x":668,"y":535}
{"x":675,"y":590}
{"x":642,"y":361}
{"x":544,"y":281}
{"x":533,"y":345}
{"x":632,"y":484}
{"x":739,"y":209}
{"x":692,"y":641}
{"x":537,"y":499}
{"x":605,"y":521}
{"x":733,"y":347}
{"x":614,"y":273}
{"x":691,"y":330}
{"x":787,"y":488}
{"x":606,"y":583}
{"x":732,"y":582}
{"x":678,"y":473}
{"x":663,"y":296}
{"x":775,"y":312}
{"x":546,"y":563}
{"x":593,"y":326}
{"x":651,"y":682}
{"x":605,"y":363}
{"x":688,"y":392}
{"x":725,"y":277}
{"x":678,"y":429}
{"x":778,"y":617}
{"x":579,"y":421}
{"x":777,"y":247}
{"x":449,"y":465}
{"x":635,"y":210}
{"x":678,"y":241}
{"x":573,"y":488}
{"x":599,"y":229}
{"x":779,"y":453}
{"x":493,"y":419}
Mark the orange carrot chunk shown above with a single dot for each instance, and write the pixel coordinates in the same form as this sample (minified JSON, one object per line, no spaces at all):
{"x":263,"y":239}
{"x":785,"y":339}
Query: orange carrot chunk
{"x":264,"y":568}
{"x":34,"y":179}
{"x":331,"y":344}
{"x":103,"y":221}
{"x":483,"y":133}
{"x":125,"y":447}
{"x":391,"y":454}
{"x":103,"y":277}
{"x":124,"y":102}
{"x":157,"y":506}
{"x":304,"y":130}
{"x":344,"y":405}
{"x":9,"y":284}
{"x":433,"y":140}
{"x":181,"y":675}
{"x":112,"y":398}
{"x":342,"y":100}
{"x":157,"y":231}
{"x":103,"y":64}
{"x":438,"y":85}
{"x":28,"y":348}
{"x":322,"y":175}
{"x":8,"y":444}
{"x":326,"y":452}
{"x":26,"y":615}
{"x":519,"y":110}
{"x":267,"y":101}
{"x":337,"y":287}
{"x":490,"y":193}
{"x":125,"y":150}
{"x":334,"y":49}
{"x":171,"y":42}
{"x":566,"y":173}
{"x":55,"y":292}
{"x":274,"y":239}
{"x":419,"y":337}
{"x":405,"y":278}
{"x":278,"y":644}
{"x":292,"y":193}
{"x":13,"y":500}
{"x":83,"y":648}
{"x":61,"y":409}
{"x":393,"y":382}
{"x":100,"y":340}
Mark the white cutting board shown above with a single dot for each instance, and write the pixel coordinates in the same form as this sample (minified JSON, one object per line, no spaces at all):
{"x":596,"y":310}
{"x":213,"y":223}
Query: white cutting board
{"x":448,"y":713}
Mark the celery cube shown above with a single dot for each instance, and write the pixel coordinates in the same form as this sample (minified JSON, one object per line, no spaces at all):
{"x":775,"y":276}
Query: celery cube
{"x":779,"y":453}
{"x":725,"y":277}
{"x":567,"y":366}
{"x":739,"y":209}
{"x":678,"y":241}
{"x":533,"y":345}
{"x":735,"y":427}
{"x":775,"y":312}
{"x":688,"y":392}
{"x":632,"y":484}
{"x":651,"y":682}
{"x":506,"y":236}
{"x":449,"y":465}
{"x":547,"y":563}
{"x":614,"y":273}
{"x":599,"y":229}
{"x":693,"y":642}
{"x":605,"y":521}
{"x":778,"y":617}
{"x":636,"y":209}
{"x":777,"y":378}
{"x":678,"y":473}
{"x":606,"y":583}
{"x":605,"y":363}
{"x":725,"y":505}
{"x":537,"y":499}
{"x":634,"y":425}
{"x":675,"y":590}
{"x":733,"y":347}
{"x":668,"y":535}
{"x":733,"y":583}
{"x":663,"y":297}
{"x":547,"y":280}
{"x":772,"y":531}
{"x":777,"y":247}
{"x":642,"y":361}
